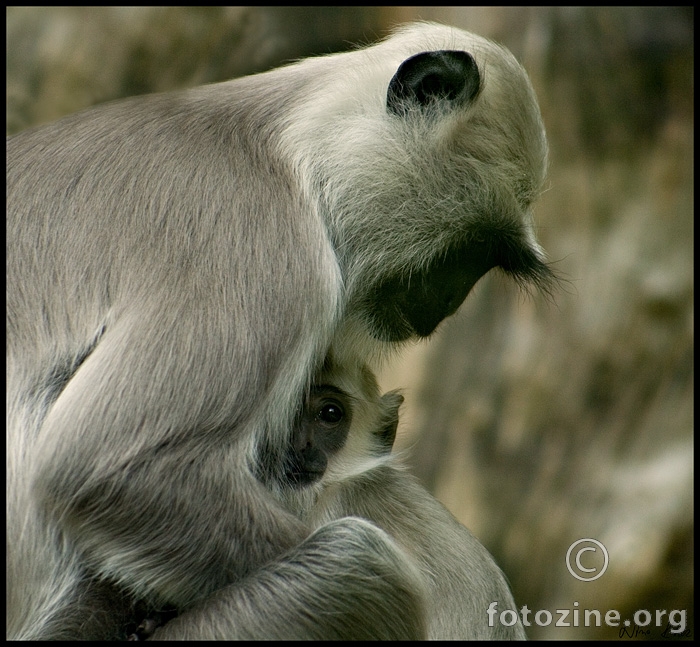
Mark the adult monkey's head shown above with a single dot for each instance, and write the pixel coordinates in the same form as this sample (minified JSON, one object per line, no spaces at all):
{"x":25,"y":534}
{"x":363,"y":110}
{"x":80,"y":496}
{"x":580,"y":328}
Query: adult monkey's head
{"x":426,"y":159}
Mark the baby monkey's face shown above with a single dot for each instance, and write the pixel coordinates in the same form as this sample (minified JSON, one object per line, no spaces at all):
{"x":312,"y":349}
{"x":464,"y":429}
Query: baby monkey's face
{"x":343,"y":423}
{"x":320,"y":432}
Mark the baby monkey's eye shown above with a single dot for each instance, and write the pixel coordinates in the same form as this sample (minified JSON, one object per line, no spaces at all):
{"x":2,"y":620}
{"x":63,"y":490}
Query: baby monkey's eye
{"x":331,"y":413}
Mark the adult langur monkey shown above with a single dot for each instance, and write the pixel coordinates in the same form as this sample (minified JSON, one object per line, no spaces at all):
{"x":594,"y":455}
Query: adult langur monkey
{"x":178,"y":266}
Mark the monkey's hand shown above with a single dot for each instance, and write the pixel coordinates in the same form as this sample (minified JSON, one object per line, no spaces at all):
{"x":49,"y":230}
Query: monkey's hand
{"x":149,"y":623}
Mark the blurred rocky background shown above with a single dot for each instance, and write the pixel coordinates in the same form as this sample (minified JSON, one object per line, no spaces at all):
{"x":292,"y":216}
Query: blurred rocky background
{"x":536,"y":423}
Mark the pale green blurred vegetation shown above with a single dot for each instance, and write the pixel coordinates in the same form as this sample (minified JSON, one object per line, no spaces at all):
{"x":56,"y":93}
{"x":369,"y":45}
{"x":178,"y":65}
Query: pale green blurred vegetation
{"x":536,"y":423}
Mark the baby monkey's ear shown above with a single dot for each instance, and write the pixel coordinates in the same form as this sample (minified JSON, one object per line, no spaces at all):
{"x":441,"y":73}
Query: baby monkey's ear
{"x":386,"y":430}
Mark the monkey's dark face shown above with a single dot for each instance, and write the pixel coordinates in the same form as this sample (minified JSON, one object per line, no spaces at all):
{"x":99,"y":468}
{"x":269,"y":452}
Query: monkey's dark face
{"x":413,"y":304}
{"x":406,"y":305}
{"x":320,"y":432}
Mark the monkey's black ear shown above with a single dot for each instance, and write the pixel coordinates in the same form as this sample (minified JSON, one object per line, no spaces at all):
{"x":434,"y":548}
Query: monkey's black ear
{"x":386,"y":434}
{"x":430,"y":76}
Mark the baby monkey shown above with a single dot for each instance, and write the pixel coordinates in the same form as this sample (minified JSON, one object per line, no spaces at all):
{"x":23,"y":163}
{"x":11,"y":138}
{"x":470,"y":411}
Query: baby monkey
{"x":340,"y":465}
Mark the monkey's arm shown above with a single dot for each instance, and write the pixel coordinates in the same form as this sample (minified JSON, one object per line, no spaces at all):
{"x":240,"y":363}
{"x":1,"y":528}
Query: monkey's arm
{"x":138,"y":471}
{"x":460,"y":576}
{"x":347,"y":581}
